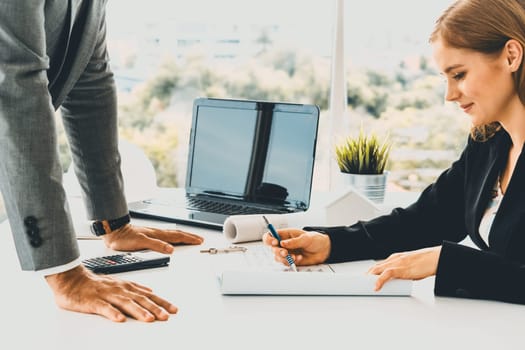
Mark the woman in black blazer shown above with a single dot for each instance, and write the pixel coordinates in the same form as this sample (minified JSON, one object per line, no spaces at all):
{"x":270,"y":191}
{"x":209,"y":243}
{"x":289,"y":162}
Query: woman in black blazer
{"x":479,"y":47}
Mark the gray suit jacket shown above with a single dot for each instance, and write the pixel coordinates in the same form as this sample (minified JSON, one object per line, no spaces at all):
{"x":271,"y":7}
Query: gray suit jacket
{"x":53,"y":55}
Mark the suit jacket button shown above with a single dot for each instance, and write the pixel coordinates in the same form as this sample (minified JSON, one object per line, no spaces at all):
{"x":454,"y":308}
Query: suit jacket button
{"x":30,"y":221}
{"x":33,"y":231}
{"x":36,"y":241}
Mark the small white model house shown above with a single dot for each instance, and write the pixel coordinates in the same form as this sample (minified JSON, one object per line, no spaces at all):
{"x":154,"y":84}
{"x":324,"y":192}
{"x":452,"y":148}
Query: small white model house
{"x":350,"y":207}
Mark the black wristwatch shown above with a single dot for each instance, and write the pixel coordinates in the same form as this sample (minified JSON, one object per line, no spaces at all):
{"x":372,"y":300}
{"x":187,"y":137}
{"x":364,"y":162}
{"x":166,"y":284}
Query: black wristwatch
{"x":101,"y":227}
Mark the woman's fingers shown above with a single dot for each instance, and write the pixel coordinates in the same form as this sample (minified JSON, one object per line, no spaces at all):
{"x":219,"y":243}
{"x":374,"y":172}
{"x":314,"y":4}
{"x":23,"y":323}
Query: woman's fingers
{"x":384,"y":277}
{"x":413,"y":265}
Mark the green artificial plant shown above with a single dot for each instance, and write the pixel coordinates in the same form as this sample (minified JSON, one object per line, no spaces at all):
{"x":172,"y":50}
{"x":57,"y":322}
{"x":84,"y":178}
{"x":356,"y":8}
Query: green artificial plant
{"x":364,"y":154}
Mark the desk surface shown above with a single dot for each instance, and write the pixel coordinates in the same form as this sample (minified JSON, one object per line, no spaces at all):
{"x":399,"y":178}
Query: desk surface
{"x":207,"y":319}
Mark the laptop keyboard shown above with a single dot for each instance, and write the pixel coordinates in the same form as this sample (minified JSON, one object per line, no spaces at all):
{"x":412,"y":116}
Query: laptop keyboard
{"x":225,"y":208}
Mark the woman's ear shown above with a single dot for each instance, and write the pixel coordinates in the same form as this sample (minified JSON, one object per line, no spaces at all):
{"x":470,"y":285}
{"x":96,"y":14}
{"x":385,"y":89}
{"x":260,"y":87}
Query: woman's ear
{"x":514,"y":53}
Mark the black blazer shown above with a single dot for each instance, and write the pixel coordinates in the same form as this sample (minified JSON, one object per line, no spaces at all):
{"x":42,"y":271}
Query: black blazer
{"x":445,"y":213}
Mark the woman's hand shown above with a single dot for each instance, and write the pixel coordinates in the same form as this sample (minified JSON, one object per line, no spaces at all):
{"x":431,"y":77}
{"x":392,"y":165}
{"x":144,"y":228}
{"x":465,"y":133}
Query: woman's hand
{"x":306,"y":247}
{"x":413,"y":265}
{"x":132,"y":238}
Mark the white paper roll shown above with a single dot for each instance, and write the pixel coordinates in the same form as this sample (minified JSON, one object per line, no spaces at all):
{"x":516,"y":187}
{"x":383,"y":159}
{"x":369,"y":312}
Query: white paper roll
{"x":246,"y":228}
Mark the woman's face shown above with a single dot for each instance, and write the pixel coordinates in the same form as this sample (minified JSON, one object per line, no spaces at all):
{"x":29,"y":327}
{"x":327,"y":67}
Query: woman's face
{"x":481,"y":84}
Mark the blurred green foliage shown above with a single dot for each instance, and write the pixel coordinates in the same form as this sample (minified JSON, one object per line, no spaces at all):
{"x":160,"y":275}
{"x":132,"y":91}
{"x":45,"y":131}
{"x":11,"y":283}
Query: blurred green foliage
{"x":426,"y":134}
{"x":406,"y":103}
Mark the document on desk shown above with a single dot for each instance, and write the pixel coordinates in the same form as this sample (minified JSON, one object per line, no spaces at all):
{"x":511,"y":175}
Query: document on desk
{"x":334,"y":279}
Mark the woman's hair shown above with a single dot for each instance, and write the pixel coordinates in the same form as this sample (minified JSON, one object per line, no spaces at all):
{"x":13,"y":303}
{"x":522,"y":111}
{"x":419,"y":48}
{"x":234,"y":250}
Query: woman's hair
{"x":484,"y":26}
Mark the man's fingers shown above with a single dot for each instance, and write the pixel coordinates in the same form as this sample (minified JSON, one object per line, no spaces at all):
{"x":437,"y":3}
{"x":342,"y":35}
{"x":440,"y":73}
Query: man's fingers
{"x":161,"y":240}
{"x":146,"y":291}
{"x":173,"y":236}
{"x":81,"y":290}
{"x":157,"y":245}
{"x":172,"y":309}
{"x":130,"y":307}
{"x":186,"y":238}
{"x":140,"y":288}
{"x":115,"y":307}
{"x":107,"y":310}
{"x":153,"y":308}
{"x":143,"y":306}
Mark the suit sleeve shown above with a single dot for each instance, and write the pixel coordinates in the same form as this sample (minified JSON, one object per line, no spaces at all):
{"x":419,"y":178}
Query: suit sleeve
{"x":89,"y":113}
{"x":437,"y":215}
{"x":30,"y":171}
{"x":471,"y":273}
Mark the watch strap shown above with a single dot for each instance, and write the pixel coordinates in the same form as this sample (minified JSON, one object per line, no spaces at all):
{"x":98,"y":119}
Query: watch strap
{"x":102,"y":227}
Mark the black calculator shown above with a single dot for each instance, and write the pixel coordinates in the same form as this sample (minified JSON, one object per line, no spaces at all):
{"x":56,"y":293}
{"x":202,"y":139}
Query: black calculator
{"x":126,"y":262}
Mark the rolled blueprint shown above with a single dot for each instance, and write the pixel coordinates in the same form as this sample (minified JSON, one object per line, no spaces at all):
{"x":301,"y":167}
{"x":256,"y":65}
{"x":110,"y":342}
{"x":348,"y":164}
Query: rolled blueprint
{"x":246,"y":228}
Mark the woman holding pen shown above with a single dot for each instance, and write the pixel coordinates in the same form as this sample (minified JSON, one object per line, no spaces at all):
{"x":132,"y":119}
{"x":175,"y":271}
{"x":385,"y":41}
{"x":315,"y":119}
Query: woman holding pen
{"x":478,"y":46}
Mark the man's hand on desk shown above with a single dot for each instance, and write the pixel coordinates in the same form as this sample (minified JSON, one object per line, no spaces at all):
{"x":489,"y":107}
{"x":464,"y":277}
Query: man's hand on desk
{"x":132,"y":238}
{"x":81,"y":290}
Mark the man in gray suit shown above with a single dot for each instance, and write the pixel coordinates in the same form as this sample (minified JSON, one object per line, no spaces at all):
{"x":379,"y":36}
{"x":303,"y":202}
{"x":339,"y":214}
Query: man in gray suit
{"x":53,"y":55}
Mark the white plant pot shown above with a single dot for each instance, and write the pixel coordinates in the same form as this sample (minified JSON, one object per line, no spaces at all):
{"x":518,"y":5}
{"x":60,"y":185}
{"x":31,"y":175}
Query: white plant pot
{"x":371,"y":186}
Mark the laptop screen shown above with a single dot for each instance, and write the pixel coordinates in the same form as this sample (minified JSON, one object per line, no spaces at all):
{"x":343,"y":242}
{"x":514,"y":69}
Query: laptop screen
{"x":291,"y":152}
{"x":256,"y":151}
{"x":222,"y":148}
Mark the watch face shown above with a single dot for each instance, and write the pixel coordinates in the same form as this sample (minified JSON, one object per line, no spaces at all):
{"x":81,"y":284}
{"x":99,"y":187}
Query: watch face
{"x":97,"y":228}
{"x":100,"y":228}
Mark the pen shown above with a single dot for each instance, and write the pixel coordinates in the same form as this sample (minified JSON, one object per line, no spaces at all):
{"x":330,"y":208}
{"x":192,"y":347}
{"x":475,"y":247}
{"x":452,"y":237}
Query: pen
{"x":278,"y":238}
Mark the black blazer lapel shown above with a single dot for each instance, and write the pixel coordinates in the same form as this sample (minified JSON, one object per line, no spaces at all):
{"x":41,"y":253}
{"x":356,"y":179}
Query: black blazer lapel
{"x":507,"y":234}
{"x":483,"y":175}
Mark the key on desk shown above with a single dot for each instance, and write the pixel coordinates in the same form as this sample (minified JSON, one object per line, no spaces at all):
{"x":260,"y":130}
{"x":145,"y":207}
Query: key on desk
{"x":224,"y":250}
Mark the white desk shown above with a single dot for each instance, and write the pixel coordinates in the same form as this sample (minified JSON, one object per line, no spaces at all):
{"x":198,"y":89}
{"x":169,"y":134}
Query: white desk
{"x":206,"y":319}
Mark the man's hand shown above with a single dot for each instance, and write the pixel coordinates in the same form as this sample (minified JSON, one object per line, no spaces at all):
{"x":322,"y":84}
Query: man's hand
{"x":81,"y":290}
{"x":132,"y":238}
{"x":413,"y":265}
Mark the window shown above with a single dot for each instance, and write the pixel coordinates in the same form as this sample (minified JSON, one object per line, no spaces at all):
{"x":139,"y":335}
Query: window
{"x":394,"y":88}
{"x":166,"y":54}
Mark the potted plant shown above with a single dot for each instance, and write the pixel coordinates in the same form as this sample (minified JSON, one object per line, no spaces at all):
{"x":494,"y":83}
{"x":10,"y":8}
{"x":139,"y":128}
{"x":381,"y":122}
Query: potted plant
{"x":363,"y":160}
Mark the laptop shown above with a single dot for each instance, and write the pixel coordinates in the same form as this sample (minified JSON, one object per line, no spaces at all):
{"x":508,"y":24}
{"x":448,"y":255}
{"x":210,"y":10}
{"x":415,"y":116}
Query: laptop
{"x":244,"y":157}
